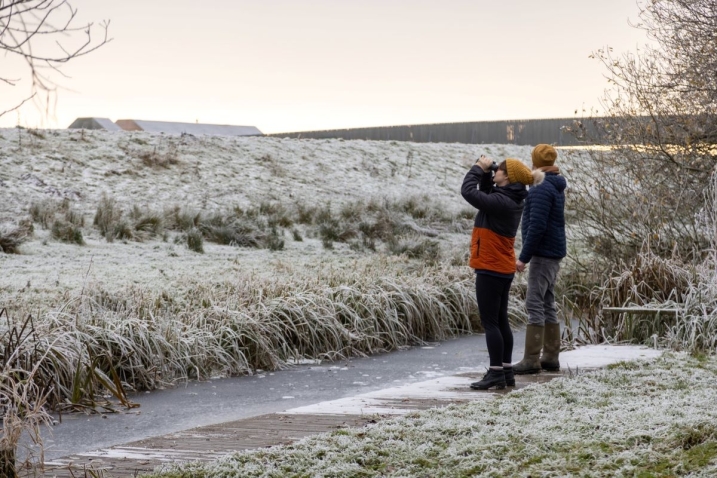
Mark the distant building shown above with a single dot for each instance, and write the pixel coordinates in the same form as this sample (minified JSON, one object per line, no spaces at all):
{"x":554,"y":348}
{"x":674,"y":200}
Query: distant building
{"x":196,"y":129}
{"x":94,"y":123}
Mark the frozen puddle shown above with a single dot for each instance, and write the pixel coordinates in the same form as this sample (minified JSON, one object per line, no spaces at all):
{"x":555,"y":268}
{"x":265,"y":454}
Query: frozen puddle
{"x":388,"y":401}
{"x":454,"y":388}
{"x":593,"y":356}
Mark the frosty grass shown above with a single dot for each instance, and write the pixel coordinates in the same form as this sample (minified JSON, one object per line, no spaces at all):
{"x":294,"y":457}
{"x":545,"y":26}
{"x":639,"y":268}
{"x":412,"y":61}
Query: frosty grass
{"x":632,"y":419}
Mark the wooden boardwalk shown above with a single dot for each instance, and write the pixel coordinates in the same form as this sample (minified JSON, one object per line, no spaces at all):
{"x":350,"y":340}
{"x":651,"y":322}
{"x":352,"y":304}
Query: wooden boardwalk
{"x":212,"y":442}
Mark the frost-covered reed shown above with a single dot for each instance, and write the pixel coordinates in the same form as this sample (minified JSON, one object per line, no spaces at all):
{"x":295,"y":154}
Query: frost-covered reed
{"x":696,"y":327}
{"x":147,"y":338}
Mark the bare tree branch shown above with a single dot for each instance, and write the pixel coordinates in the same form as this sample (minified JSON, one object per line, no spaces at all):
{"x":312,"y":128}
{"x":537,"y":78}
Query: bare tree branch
{"x":44,"y":35}
{"x":18,"y":106}
{"x":659,"y":132}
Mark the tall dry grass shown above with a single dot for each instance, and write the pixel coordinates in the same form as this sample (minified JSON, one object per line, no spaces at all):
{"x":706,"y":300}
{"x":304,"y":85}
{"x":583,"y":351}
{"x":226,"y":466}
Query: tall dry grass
{"x":23,"y":391}
{"x":696,"y":328}
{"x":140,"y":339}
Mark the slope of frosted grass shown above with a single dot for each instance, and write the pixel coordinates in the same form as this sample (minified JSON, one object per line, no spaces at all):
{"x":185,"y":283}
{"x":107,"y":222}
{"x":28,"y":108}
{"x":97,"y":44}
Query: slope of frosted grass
{"x":632,"y":419}
{"x":220,"y":171}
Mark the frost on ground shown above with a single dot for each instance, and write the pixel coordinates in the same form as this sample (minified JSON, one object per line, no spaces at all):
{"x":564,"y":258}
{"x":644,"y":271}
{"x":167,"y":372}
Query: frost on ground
{"x":212,"y":172}
{"x":631,"y":419}
{"x":202,"y":174}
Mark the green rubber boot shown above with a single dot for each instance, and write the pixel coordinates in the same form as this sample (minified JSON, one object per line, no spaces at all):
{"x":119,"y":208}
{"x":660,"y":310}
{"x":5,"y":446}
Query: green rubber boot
{"x":551,"y":348}
{"x":533,"y":345}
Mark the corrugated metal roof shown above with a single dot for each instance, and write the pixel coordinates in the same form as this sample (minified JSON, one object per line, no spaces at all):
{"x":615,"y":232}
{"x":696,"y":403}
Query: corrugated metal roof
{"x":94,"y":123}
{"x":169,"y":127}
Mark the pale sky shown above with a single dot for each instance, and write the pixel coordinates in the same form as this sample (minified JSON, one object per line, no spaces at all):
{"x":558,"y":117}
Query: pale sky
{"x":296,"y":65}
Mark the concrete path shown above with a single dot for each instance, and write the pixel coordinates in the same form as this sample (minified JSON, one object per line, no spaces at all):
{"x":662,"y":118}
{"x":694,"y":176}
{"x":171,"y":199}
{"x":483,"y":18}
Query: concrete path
{"x":209,"y":442}
{"x":197,"y":404}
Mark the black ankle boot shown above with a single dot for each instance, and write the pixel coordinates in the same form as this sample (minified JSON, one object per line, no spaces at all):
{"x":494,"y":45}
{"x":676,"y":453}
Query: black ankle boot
{"x":493,"y":378}
{"x":509,"y":376}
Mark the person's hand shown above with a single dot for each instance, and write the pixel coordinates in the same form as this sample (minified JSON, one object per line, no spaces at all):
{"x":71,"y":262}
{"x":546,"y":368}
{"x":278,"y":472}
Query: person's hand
{"x":520,"y":265}
{"x":484,"y":162}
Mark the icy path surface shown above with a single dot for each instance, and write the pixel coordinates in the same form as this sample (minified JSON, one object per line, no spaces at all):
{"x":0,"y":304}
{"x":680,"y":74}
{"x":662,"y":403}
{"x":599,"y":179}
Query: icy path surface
{"x":456,"y":387}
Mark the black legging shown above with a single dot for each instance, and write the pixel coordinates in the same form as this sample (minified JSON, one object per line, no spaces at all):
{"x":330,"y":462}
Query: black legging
{"x":492,"y":295}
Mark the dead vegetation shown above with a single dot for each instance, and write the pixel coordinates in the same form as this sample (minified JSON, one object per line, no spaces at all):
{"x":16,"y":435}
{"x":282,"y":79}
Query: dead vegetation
{"x":150,"y":338}
{"x":11,"y":237}
{"x":407,"y":226}
{"x":675,"y":298}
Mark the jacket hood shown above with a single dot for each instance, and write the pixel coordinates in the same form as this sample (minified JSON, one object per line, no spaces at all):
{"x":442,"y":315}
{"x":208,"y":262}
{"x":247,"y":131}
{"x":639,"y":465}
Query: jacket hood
{"x":557,"y":181}
{"x":516,"y":191}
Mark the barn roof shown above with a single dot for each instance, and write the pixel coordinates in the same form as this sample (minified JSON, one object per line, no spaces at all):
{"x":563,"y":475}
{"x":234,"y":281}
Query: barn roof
{"x":169,"y":127}
{"x":94,"y":123}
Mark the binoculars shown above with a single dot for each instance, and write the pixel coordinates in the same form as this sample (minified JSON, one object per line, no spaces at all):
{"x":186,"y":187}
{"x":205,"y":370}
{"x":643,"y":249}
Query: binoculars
{"x":493,"y":167}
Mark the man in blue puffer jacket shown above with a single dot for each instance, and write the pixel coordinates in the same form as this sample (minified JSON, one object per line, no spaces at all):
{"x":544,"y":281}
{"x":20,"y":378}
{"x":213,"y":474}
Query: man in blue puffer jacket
{"x":544,"y":245}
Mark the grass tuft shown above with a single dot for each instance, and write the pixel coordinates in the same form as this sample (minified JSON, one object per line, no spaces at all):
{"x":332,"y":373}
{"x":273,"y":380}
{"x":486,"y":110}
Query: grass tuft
{"x":195,"y":240}
{"x":64,"y":231}
{"x":11,"y":237}
{"x":106,"y":216}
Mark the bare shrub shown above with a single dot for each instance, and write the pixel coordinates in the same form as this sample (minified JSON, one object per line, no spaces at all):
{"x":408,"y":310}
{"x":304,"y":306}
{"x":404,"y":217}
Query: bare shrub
{"x":687,"y":289}
{"x":614,"y":208}
{"x":659,"y":130}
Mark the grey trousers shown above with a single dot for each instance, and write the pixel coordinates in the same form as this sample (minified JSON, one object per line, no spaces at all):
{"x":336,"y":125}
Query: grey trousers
{"x":540,"y":298}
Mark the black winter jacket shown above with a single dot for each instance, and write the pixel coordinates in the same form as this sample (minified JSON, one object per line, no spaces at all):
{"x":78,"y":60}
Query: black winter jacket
{"x":499,"y":212}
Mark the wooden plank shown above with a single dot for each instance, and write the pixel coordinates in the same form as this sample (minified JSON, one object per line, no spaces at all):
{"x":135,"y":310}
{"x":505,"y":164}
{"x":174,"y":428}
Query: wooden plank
{"x":640,"y":311}
{"x":213,"y":441}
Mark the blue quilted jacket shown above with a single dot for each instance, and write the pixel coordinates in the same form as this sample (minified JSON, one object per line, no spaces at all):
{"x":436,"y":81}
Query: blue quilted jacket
{"x":543,"y":226}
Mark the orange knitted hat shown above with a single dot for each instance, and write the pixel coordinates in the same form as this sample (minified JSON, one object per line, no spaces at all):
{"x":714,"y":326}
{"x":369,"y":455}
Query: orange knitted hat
{"x":544,"y":155}
{"x":518,"y":172}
